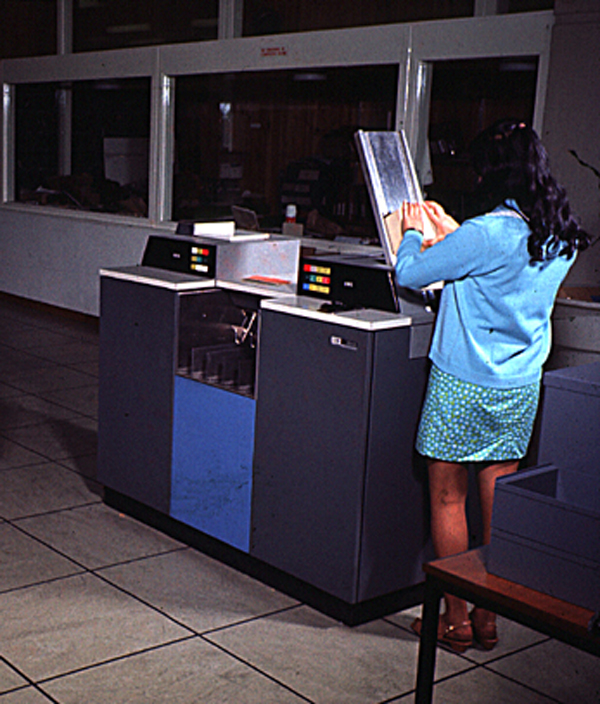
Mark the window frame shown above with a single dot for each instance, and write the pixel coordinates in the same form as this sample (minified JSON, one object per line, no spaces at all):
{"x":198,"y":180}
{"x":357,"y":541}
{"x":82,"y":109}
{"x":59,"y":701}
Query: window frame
{"x":410,"y":46}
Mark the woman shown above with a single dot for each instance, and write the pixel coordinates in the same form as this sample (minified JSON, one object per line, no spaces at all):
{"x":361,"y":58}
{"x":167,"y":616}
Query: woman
{"x":502,"y":271}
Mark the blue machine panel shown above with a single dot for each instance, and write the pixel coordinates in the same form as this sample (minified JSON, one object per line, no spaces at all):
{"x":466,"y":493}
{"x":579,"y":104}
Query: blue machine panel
{"x":213,"y":440}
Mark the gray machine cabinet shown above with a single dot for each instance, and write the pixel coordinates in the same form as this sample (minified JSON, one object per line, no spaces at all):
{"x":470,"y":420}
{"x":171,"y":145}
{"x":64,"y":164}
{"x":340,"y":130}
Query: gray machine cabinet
{"x":155,"y":326}
{"x":569,"y":436}
{"x":138,"y":325}
{"x":336,"y":497}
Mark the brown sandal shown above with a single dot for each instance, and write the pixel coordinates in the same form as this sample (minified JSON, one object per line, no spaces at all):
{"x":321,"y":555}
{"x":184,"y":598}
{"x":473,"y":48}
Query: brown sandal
{"x":458,"y":637}
{"x":484,"y":628}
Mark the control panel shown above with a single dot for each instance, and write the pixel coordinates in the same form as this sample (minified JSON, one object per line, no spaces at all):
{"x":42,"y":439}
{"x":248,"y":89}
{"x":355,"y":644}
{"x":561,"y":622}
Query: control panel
{"x":348,"y":281}
{"x":181,"y":255}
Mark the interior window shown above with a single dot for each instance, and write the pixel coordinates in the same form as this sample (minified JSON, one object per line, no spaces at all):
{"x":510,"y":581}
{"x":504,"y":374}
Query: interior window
{"x":84,"y":145}
{"x":28,"y":28}
{"x":276,"y":16}
{"x":264,"y":140}
{"x":111,"y":24}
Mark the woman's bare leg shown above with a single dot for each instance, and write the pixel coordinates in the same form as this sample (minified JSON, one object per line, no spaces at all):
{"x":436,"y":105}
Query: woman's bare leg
{"x":486,"y":482}
{"x":448,"y":487}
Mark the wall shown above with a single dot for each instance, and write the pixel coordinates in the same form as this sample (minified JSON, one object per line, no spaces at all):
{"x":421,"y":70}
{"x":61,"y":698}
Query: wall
{"x":54,"y":258}
{"x":571,"y":119}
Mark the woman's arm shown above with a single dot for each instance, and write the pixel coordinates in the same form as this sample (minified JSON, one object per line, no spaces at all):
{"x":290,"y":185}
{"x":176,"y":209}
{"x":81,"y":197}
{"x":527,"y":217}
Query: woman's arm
{"x":458,"y":251}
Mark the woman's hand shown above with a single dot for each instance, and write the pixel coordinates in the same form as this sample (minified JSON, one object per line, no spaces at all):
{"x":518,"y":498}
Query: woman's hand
{"x":412,"y":217}
{"x":430,"y":219}
{"x":443,"y":223}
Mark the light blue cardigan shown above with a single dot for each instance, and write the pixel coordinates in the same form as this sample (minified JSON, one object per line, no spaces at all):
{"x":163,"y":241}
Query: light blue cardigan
{"x":493,"y":326}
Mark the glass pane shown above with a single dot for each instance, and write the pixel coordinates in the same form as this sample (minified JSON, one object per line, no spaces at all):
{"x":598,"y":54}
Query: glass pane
{"x":104,"y":166}
{"x":263,"y":140}
{"x":32,"y":28}
{"x":111,"y":24}
{"x":529,"y":5}
{"x":36,"y":137}
{"x":275,"y":16}
{"x":466,"y":97}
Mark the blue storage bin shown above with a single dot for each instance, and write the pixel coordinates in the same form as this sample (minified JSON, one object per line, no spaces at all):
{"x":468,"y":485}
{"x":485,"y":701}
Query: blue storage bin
{"x":570,"y":419}
{"x":546,"y":533}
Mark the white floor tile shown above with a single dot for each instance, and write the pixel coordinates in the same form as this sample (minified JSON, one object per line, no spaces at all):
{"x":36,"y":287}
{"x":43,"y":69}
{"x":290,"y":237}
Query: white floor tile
{"x":97,"y":536}
{"x":29,"y":695}
{"x":25,"y":561}
{"x":330,"y":663}
{"x":70,"y":623}
{"x":191,"y":672}
{"x":67,"y":352}
{"x":481,"y":686}
{"x":26,"y":409}
{"x":86,"y":465}
{"x":14,"y":455}
{"x":58,"y":438}
{"x":27,"y":491}
{"x":196,"y":590}
{"x":40,"y":378}
{"x":84,"y":400}
{"x":564,"y":673}
{"x":9,"y":679}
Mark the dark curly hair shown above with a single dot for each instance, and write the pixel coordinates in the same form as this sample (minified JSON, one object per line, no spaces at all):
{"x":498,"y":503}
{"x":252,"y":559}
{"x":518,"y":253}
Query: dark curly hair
{"x":512,"y":164}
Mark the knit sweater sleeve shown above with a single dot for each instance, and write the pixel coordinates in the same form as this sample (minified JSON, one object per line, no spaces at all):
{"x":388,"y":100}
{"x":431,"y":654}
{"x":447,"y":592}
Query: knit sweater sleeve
{"x":461,"y":253}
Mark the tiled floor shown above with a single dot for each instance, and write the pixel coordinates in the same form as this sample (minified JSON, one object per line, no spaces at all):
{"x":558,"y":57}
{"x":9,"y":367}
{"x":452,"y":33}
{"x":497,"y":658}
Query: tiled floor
{"x":96,"y":608}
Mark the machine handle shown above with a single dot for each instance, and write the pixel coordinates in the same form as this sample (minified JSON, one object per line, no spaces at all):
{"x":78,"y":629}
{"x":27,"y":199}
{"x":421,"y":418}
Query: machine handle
{"x":337,"y":341}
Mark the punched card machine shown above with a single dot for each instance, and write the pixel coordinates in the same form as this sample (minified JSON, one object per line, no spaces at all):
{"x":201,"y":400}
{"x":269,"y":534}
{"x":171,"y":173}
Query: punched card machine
{"x":178,"y":338}
{"x":338,"y":492}
{"x":277,"y":422}
{"x":338,"y":495}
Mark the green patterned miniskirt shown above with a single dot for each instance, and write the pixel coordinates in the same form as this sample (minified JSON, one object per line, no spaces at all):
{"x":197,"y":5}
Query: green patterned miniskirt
{"x":465,"y":422}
